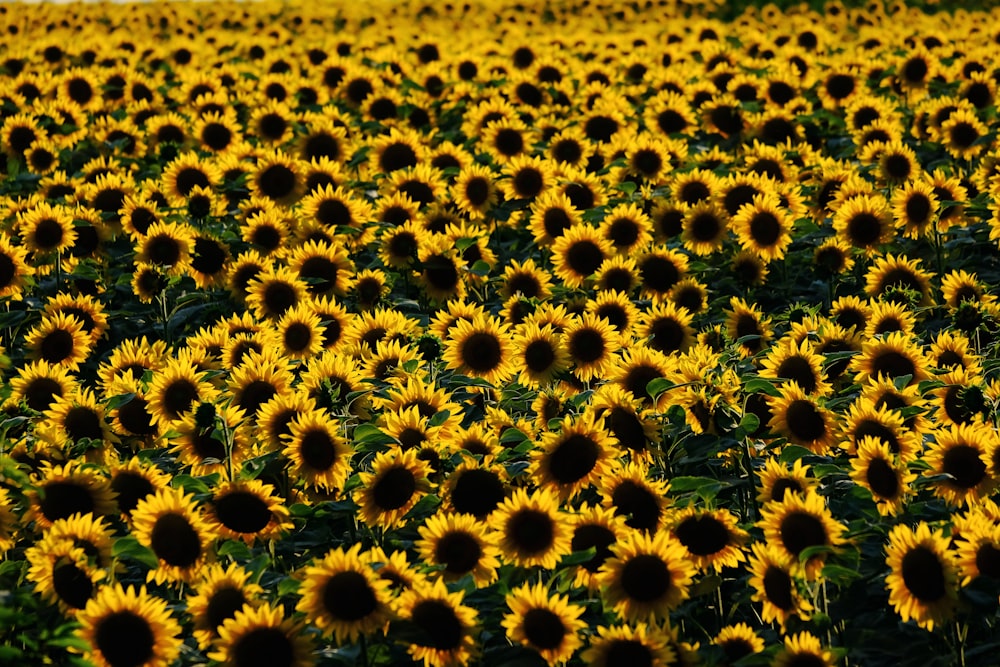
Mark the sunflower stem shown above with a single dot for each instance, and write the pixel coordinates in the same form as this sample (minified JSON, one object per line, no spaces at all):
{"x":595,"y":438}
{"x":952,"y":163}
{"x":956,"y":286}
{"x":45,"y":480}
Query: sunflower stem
{"x":961,"y":631}
{"x":364,"y":650}
{"x":938,"y":254}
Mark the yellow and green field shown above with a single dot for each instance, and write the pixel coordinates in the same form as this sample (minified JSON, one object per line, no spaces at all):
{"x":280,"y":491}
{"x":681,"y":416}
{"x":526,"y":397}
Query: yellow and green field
{"x":499,"y":333}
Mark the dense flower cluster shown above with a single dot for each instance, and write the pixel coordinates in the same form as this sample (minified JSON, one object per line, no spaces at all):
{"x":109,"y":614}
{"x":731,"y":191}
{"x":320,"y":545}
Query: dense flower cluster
{"x":496,"y":333}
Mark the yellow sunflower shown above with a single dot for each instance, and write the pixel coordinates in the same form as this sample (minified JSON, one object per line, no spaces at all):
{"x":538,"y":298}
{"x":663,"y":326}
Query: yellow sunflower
{"x":129,"y":627}
{"x":446,"y":626}
{"x":546,"y":623}
{"x":531,"y":529}
{"x":175,"y":529}
{"x":800,"y":522}
{"x":774,"y":582}
{"x":343,"y":597}
{"x":221,"y":592}
{"x":923,"y":578}
{"x":255,"y":632}
{"x":461,"y":545}
{"x":711,"y":538}
{"x":575,"y":456}
{"x":649,"y":576}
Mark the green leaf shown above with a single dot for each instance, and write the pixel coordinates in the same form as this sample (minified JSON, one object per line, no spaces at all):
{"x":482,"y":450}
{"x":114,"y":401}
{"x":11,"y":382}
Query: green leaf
{"x":656,"y":387}
{"x":706,"y":487}
{"x":842,"y":576}
{"x":760,"y":385}
{"x":128,"y":548}
{"x":439,"y":418}
{"x":750,"y":422}
{"x":236,"y":550}
{"x":792,"y":453}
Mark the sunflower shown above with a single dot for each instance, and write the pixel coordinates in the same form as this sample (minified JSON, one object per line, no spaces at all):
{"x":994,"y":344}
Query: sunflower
{"x":272,"y":123}
{"x":978,"y":550}
{"x":460,"y":545}
{"x":278,"y":177}
{"x":773,"y":580}
{"x":763,"y":226}
{"x":633,"y":495}
{"x":133,"y":481}
{"x":590,"y":343}
{"x":711,"y":538}
{"x":128,"y":627}
{"x":64,"y":490}
{"x":185,"y":173}
{"x":637,"y":367}
{"x":923,"y":578}
{"x":914,"y":206}
{"x":547,"y":624}
{"x":890,"y":316}
{"x":398,"y":479}
{"x":14,"y":268}
{"x":441,"y":275}
{"x":540,"y":354}
{"x":74,"y":419}
{"x":893,"y":356}
{"x":59,"y":340}
{"x":167,"y":246}
{"x":628,"y":645}
{"x":961,"y":453}
{"x":266,"y":229}
{"x":177,"y":388}
{"x":62,"y":574}
{"x":617,"y":309}
{"x":800,"y":522}
{"x":47,"y":229}
{"x":633,"y":428}
{"x":959,"y":286}
{"x":884,"y":474}
{"x":627,"y":227}
{"x":617,"y":274}
{"x":573,"y":458}
{"x":248,"y":511}
{"x":531,"y":530}
{"x":221,"y":592}
{"x":746,"y":325}
{"x":648,"y":576}
{"x":343,"y":597}
{"x":216,"y":132}
{"x":317,"y":450}
{"x":551,"y":216}
{"x":579,"y":253}
{"x":480,"y":348}
{"x":334,"y":327}
{"x":864,"y":222}
{"x":833,"y":256}
{"x":898,"y":272}
{"x":262,"y":636}
{"x":865,"y":419}
{"x":445,"y":625}
{"x":174,"y":528}
{"x":963,"y":135}
{"x":705,"y":228}
{"x":798,"y":363}
{"x":803,"y":649}
{"x":275,"y":290}
{"x":476,"y":488}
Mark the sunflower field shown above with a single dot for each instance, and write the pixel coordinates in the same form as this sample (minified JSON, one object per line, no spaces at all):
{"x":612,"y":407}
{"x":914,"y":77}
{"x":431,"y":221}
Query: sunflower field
{"x":499,"y":332}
